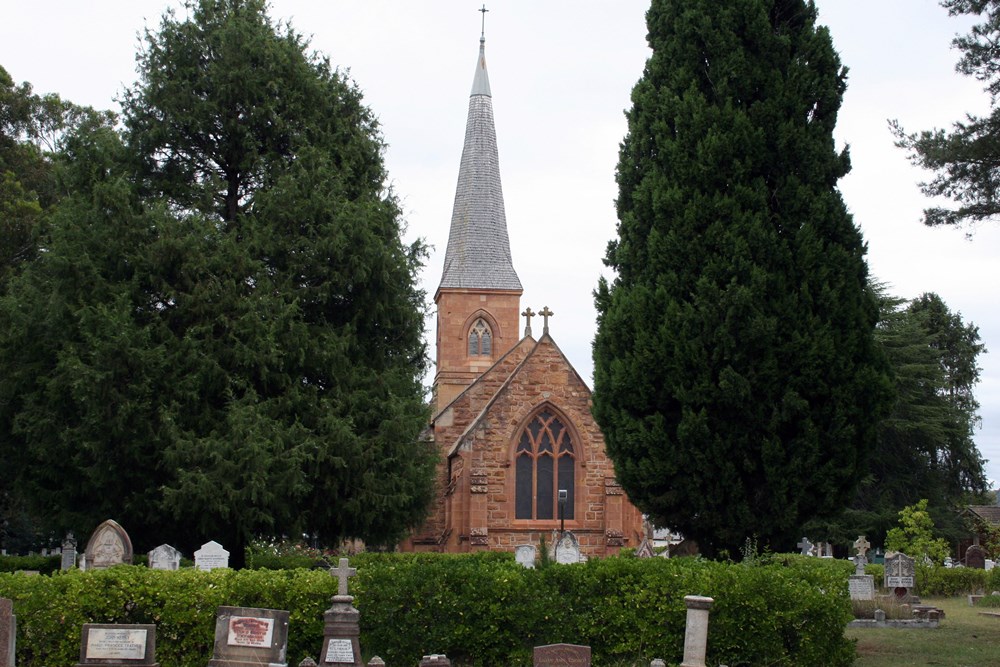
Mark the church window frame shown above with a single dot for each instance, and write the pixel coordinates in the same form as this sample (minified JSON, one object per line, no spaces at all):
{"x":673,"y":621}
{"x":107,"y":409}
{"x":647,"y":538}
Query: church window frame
{"x":546,"y":457}
{"x":480,"y":338}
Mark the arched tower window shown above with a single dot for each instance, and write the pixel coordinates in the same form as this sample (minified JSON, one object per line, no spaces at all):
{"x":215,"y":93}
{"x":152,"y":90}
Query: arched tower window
{"x":480,"y":339}
{"x":544,"y":463}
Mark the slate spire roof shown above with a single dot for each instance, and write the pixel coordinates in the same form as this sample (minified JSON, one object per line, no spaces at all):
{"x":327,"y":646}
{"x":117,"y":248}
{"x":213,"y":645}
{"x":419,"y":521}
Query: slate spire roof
{"x":478,"y":254}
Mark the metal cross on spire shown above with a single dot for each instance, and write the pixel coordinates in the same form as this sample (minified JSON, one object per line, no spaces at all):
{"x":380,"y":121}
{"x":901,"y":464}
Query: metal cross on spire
{"x":483,"y":11}
{"x":527,"y":315}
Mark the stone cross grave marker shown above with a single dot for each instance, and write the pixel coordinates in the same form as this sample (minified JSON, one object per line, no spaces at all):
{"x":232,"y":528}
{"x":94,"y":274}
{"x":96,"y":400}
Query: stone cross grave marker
{"x":805,"y":547}
{"x":862,"y":545}
{"x":8,"y":632}
{"x":109,"y":545}
{"x":111,"y":644}
{"x":341,"y":624}
{"x":211,"y":556}
{"x":249,"y":637}
{"x":525,"y":555}
{"x":164,"y":557}
{"x":561,"y":655}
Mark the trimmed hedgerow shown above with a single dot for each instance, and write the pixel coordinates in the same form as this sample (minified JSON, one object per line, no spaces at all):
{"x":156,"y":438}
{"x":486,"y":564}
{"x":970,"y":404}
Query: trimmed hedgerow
{"x":41,"y":564}
{"x":480,"y":610}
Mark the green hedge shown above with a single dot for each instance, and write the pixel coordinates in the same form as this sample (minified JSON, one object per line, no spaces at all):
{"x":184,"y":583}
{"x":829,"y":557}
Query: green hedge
{"x":935,"y":580}
{"x":479,"y":610}
{"x":41,"y":564}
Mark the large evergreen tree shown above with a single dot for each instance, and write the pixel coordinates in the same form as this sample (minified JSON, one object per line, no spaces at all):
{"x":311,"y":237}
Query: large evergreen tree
{"x":966,"y":160}
{"x":736,"y":376}
{"x":224,"y":337}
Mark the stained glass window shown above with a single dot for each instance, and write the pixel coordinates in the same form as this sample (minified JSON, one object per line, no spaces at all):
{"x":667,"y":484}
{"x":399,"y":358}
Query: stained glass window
{"x":545,"y":463}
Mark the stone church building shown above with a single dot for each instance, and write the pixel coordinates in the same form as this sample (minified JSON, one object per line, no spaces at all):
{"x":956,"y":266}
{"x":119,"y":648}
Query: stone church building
{"x":512,"y":416}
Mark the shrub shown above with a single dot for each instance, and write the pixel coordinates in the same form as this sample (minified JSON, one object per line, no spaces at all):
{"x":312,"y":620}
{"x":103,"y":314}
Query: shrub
{"x":41,"y":564}
{"x":481,"y":609}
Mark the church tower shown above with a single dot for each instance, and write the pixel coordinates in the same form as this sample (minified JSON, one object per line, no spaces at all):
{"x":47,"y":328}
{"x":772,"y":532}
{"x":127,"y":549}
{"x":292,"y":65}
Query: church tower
{"x":478,"y":300}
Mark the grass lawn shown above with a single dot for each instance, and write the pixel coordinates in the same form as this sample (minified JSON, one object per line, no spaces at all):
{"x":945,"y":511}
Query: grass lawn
{"x":964,"y":639}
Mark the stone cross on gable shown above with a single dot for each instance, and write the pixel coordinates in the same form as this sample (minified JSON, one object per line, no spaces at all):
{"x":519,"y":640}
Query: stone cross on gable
{"x":862,"y":545}
{"x":806,"y":546}
{"x":343,"y":573}
{"x":527,"y":315}
{"x":546,"y":314}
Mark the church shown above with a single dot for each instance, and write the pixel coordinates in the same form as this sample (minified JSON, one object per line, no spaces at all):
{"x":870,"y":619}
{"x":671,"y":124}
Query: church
{"x":521,"y":455}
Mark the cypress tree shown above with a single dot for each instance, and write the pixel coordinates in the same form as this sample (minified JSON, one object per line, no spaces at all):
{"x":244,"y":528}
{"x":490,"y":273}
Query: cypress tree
{"x":736,"y":376}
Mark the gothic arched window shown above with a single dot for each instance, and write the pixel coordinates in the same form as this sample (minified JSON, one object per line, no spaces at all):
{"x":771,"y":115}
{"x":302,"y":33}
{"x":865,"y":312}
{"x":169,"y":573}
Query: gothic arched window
{"x":544,"y":463}
{"x":480,"y":339}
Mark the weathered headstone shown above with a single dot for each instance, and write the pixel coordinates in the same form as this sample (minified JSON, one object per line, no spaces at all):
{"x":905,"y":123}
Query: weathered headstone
{"x":975,"y":557}
{"x":8,"y":632}
{"x":805,"y":547}
{"x":211,"y":556}
{"x":248,"y":637}
{"x":68,"y":552}
{"x":696,"y":630}
{"x":525,"y":555}
{"x":165,"y":557}
{"x":435,"y":660}
{"x":109,"y":545}
{"x":900,"y":574}
{"x":645,"y":549}
{"x":567,"y":549}
{"x":341,"y":627}
{"x":561,"y":655}
{"x":108,"y":644}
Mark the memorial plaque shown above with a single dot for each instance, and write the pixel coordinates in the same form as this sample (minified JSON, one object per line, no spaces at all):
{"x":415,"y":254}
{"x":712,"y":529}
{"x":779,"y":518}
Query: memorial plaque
{"x":110,"y":644}
{"x":561,"y":655}
{"x":250,"y":631}
{"x":340,"y":650}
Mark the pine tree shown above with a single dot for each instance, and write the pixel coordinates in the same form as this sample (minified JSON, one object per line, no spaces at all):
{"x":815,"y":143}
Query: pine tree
{"x":225,"y":337}
{"x":736,"y":376}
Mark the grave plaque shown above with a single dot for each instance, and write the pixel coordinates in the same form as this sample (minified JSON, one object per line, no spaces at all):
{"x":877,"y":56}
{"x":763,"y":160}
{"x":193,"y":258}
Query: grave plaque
{"x":164,"y":557}
{"x":108,"y":644}
{"x":561,"y":655}
{"x":211,"y":556}
{"x":8,"y":632}
{"x":247,"y":637}
{"x":339,"y":651}
{"x":525,"y":555}
{"x":109,"y":545}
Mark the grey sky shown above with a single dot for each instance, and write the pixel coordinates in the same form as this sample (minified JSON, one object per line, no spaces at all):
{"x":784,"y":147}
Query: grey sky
{"x":561,"y":73}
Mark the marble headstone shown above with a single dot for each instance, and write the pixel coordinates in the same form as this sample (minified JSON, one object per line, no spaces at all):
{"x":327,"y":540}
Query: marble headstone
{"x":109,"y":545}
{"x":567,"y":549}
{"x":211,"y":556}
{"x":68,"y":552}
{"x":525,"y":555}
{"x":164,"y":557}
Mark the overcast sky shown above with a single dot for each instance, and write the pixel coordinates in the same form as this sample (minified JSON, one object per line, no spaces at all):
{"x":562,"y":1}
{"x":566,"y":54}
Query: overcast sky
{"x":561,"y":73}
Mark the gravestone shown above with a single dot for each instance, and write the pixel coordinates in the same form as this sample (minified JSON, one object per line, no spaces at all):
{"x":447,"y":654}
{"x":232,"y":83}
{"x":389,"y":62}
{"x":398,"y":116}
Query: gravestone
{"x":68,"y":552}
{"x":435,"y":660}
{"x":900,"y":574}
{"x":109,"y":644}
{"x":109,"y":545}
{"x":249,"y":637}
{"x":211,"y":556}
{"x":525,"y":555}
{"x":8,"y":632}
{"x":341,"y":624}
{"x":805,"y":547}
{"x":561,"y":655}
{"x":645,"y":549}
{"x":975,"y":557}
{"x":165,"y":557}
{"x":566,"y":549}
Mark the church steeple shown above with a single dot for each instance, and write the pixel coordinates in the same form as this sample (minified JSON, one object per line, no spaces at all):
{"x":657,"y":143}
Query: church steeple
{"x":478,"y":298}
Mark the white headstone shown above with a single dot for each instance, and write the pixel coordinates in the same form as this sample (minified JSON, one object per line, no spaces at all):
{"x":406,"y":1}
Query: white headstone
{"x":567,"y":549}
{"x":211,"y":556}
{"x":525,"y":555}
{"x":165,"y":557}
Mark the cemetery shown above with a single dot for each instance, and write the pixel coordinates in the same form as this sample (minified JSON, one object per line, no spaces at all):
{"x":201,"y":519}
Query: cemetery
{"x":522,"y":608}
